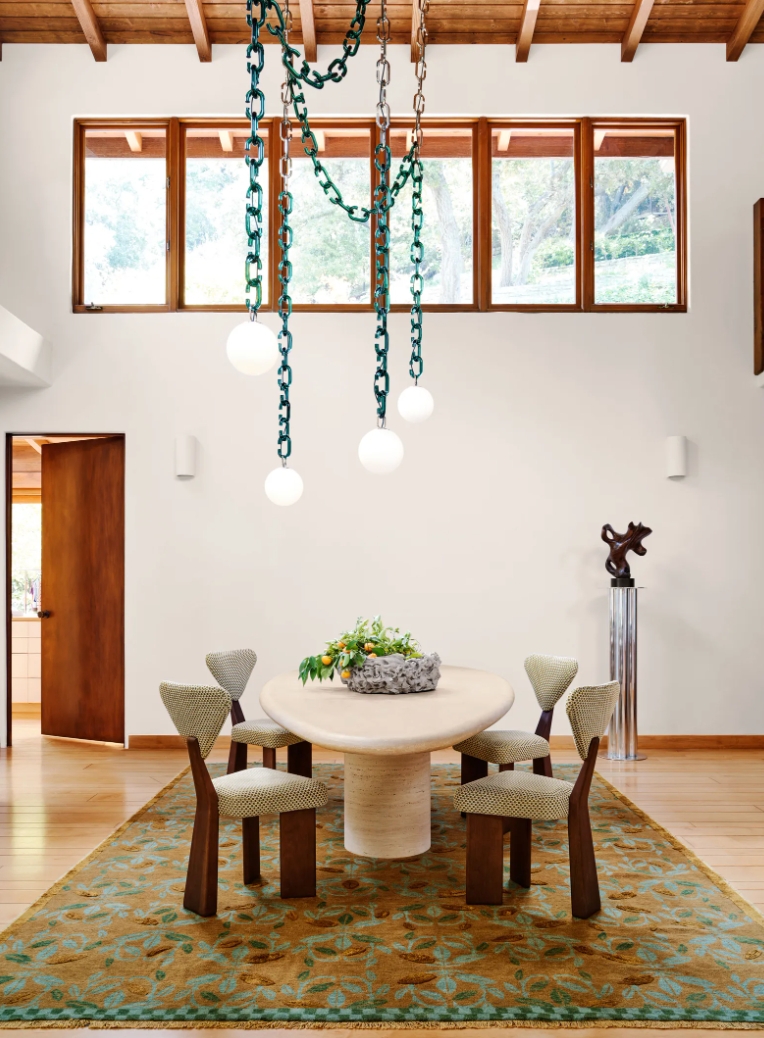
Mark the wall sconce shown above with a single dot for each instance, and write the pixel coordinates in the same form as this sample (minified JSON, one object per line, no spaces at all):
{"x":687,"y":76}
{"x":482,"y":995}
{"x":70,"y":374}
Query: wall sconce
{"x":676,"y":457}
{"x":185,"y":457}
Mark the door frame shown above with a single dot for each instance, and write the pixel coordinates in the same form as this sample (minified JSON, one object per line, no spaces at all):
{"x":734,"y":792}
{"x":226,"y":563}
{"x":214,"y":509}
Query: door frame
{"x":9,"y":437}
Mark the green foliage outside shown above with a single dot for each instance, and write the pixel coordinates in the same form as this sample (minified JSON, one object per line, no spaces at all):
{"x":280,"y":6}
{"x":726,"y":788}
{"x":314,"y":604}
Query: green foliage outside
{"x":367,"y":640}
{"x":26,"y":558}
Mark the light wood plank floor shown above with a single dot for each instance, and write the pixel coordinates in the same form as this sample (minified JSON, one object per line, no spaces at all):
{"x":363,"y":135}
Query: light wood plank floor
{"x":62,"y":798}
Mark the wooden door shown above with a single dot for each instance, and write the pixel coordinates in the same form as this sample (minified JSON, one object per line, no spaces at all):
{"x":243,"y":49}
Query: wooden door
{"x":83,"y":579}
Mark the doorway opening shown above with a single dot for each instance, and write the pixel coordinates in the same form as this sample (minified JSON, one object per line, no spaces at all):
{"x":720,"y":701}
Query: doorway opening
{"x":65,"y":586}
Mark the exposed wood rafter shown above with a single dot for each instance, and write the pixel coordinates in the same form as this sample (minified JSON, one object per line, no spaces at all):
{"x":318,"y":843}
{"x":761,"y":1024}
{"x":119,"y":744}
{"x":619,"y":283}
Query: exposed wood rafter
{"x":416,"y":21}
{"x":199,"y":29}
{"x":90,"y":27}
{"x":749,"y":19}
{"x":527,"y":26}
{"x":308,"y":22}
{"x":633,"y":35}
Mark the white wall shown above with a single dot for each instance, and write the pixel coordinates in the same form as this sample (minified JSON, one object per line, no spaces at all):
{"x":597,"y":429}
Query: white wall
{"x":486,"y":542}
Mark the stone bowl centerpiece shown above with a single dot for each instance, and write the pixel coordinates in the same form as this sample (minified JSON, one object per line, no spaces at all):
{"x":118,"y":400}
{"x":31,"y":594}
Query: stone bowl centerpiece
{"x":373,"y":658}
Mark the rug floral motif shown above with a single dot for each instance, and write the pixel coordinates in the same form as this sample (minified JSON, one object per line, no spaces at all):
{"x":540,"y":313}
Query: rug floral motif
{"x":385,"y":942}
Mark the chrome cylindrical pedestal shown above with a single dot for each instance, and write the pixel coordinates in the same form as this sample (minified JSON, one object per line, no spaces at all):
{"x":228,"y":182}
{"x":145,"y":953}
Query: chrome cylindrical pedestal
{"x":622,"y":732}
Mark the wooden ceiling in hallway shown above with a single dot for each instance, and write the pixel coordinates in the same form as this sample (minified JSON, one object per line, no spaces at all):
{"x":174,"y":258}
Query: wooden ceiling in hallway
{"x":734,"y":23}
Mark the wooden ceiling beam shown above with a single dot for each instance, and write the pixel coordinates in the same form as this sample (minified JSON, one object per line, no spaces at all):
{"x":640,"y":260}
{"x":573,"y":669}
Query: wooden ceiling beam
{"x":86,"y":16}
{"x":527,"y":26}
{"x":416,"y":21}
{"x":308,"y":22}
{"x":633,"y":35}
{"x":748,"y":21}
{"x":199,"y":29}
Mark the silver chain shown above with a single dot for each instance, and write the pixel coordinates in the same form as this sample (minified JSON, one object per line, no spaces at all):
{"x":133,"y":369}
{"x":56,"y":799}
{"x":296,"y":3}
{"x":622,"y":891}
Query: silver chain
{"x":383,"y":71}
{"x":420,"y":71}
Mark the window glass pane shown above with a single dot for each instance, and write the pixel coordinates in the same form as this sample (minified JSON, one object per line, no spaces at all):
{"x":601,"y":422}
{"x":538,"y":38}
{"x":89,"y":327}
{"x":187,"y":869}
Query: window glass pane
{"x":447,"y":229}
{"x":125,"y":216}
{"x":26,"y":565}
{"x":634,"y":216}
{"x":533,"y":243}
{"x":330,"y":253}
{"x":217,"y":178}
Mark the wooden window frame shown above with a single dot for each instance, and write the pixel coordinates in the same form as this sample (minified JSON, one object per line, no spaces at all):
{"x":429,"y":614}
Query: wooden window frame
{"x":79,"y":303}
{"x":535,"y":124}
{"x":482,"y":213}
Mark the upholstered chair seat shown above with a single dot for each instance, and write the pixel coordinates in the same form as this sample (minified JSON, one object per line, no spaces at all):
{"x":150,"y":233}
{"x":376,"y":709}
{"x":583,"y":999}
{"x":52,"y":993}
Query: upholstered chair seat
{"x":198,"y":712}
{"x":512,"y":800}
{"x":232,"y":669}
{"x":550,"y":677}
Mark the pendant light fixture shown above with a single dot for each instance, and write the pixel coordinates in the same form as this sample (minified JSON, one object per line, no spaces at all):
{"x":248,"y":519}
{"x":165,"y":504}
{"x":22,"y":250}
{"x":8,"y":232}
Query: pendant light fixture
{"x":416,"y":404}
{"x":252,"y":347}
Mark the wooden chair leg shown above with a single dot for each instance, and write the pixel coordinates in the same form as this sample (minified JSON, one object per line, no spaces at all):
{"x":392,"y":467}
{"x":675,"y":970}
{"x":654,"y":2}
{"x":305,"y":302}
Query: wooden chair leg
{"x":473,"y":768}
{"x":521,"y":834}
{"x":201,"y":894}
{"x":250,"y":849}
{"x":543,"y":766}
{"x":269,"y":757}
{"x":507,"y":767}
{"x":485,"y":859}
{"x":237,"y":757}
{"x":300,"y":759}
{"x":584,"y":886}
{"x":297,"y":852}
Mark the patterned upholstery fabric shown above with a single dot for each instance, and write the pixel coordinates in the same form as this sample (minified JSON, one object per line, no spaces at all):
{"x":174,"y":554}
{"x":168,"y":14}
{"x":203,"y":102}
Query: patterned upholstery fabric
{"x":550,"y":677}
{"x":263,"y":733}
{"x":516,"y":794}
{"x":232,"y":669}
{"x":264,"y":791}
{"x":499,"y":747}
{"x":590,"y":708}
{"x":197,"y":711}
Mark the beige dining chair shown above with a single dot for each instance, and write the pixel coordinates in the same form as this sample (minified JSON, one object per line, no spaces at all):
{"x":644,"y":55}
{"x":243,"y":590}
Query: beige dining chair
{"x":513,"y":800}
{"x":550,"y":677}
{"x":198,"y":712}
{"x":232,"y":670}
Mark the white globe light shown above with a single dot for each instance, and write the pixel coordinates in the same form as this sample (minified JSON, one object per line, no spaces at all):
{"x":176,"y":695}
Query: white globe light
{"x":380,"y":451}
{"x":415,"y":404}
{"x":252,"y":348}
{"x":283,"y":486}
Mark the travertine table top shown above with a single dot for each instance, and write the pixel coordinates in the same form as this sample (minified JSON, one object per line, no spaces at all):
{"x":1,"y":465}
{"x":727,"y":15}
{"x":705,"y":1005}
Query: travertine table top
{"x":326,"y":714}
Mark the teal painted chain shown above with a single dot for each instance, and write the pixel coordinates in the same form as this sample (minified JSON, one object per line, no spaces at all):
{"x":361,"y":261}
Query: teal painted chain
{"x":254,"y":155}
{"x":416,"y":364}
{"x":284,"y":448}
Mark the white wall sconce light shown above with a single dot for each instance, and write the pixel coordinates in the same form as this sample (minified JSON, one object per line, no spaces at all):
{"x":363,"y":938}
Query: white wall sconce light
{"x":185,"y":457}
{"x":676,"y":457}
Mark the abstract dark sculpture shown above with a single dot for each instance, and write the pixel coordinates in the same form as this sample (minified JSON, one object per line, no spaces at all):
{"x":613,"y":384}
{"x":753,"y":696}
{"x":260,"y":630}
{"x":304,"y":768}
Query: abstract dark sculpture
{"x":621,"y":544}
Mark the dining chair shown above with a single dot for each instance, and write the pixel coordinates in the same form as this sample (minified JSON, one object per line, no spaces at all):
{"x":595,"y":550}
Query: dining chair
{"x":513,"y":800}
{"x":550,"y":677}
{"x":232,"y":670}
{"x":198,"y":713}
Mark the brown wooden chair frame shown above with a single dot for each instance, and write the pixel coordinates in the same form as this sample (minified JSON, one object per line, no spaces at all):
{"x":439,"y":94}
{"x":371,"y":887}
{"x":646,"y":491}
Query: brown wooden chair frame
{"x":299,"y":754}
{"x":485,"y":850}
{"x":297,"y":846}
{"x":475,"y":768}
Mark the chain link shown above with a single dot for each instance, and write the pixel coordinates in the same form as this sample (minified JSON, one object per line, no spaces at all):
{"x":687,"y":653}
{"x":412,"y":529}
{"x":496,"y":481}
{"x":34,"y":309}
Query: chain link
{"x":416,"y":364}
{"x":383,"y":202}
{"x":254,"y":155}
{"x":284,"y":448}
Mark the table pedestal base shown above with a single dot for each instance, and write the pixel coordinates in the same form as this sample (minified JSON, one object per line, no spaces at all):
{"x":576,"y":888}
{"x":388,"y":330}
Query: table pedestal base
{"x":387,"y":804}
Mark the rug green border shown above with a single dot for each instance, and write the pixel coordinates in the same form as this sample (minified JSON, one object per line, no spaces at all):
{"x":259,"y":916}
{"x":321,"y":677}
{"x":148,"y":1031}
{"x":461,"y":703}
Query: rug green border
{"x":368,"y":1025}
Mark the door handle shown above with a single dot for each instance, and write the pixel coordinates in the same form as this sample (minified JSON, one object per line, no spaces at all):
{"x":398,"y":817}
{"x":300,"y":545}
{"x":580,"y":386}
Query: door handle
{"x":43,"y":613}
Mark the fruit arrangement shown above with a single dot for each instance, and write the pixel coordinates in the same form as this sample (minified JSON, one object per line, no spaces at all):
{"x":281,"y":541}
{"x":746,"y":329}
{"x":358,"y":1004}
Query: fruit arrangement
{"x":369,"y":639}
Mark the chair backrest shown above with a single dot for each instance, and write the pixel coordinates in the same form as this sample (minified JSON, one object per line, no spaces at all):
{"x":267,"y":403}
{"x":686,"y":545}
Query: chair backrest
{"x":550,"y":677}
{"x":590,"y":708}
{"x":197,"y":711}
{"x":232,"y":669}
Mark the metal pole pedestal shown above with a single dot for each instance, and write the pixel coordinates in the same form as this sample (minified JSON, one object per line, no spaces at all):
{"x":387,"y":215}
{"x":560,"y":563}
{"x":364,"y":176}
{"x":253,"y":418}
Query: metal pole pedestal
{"x":622,"y":732}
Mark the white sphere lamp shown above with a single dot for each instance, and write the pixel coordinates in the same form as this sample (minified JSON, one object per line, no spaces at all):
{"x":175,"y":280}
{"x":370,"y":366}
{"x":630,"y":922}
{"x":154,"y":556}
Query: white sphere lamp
{"x":252,"y":348}
{"x":283,"y":486}
{"x":381,"y":451}
{"x":415,"y":404}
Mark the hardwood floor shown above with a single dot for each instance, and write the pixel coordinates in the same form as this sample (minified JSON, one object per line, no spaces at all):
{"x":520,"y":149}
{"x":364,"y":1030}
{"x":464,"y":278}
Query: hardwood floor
{"x":61,"y":798}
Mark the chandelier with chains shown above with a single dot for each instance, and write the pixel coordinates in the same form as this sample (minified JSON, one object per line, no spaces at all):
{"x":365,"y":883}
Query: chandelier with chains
{"x":252,"y":347}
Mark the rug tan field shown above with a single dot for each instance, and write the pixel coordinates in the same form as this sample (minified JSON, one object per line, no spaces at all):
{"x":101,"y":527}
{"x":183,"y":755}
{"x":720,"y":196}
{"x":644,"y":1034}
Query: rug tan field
{"x":385,"y":942}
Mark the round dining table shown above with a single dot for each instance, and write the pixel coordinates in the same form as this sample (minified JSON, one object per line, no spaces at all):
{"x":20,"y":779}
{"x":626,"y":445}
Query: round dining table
{"x":387,"y":741}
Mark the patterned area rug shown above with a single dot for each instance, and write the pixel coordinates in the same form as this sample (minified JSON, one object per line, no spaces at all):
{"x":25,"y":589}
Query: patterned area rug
{"x":385,"y":942}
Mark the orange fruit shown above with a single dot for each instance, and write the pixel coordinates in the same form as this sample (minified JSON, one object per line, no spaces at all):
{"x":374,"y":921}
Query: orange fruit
{"x":341,"y":645}
{"x":326,"y":660}
{"x":346,"y":674}
{"x":368,"y":646}
{"x":372,"y":655}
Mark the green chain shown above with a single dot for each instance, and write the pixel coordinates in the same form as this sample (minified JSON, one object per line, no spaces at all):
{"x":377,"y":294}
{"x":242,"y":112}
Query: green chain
{"x":416,"y":364}
{"x":285,"y":300}
{"x":254,"y":155}
{"x":337,"y":69}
